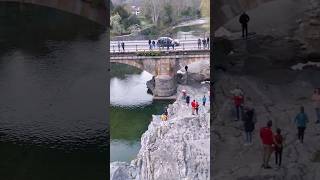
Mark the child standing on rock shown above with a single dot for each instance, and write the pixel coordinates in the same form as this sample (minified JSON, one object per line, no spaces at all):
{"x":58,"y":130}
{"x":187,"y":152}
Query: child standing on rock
{"x":278,"y":139}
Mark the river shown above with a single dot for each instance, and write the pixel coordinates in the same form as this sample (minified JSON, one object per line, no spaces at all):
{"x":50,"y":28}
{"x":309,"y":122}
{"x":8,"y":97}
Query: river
{"x":130,"y":112}
{"x":53,"y":91}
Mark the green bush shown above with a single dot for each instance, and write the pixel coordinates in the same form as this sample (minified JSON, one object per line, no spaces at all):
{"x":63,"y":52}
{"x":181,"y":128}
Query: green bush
{"x":149,"y":53}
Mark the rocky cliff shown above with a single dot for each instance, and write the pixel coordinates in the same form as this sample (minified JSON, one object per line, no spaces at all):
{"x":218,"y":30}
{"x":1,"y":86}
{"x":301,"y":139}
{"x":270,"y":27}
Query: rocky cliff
{"x":178,"y":148}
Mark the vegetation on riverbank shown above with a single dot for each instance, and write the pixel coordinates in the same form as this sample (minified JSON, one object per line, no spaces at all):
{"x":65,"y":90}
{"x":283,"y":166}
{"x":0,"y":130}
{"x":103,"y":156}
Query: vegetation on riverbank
{"x":155,"y":16}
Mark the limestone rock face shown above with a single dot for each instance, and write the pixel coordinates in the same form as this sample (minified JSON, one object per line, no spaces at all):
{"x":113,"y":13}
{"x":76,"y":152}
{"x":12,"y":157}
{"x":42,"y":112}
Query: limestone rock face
{"x":197,"y":72}
{"x":165,"y":85}
{"x":178,"y":148}
{"x":276,"y":100}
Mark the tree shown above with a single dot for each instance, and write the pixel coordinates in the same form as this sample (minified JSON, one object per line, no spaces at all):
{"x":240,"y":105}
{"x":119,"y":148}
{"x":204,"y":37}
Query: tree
{"x":205,"y":8}
{"x":153,"y":8}
{"x":168,"y":13}
{"x":115,"y":24}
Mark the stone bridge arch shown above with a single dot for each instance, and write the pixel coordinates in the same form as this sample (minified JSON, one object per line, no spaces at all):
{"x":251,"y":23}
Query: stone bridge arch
{"x":150,"y":67}
{"x":84,"y":8}
{"x":225,"y":10}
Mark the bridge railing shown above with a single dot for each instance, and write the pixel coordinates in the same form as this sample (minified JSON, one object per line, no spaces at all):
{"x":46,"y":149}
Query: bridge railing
{"x":181,"y":35}
{"x":136,"y":55}
{"x":144,"y":47}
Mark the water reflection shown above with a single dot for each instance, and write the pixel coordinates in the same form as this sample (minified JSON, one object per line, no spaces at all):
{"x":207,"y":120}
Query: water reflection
{"x":131,"y":91}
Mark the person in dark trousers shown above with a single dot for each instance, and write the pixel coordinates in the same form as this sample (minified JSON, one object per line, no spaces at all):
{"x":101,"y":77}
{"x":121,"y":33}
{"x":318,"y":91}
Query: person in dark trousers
{"x":197,"y":107}
{"x":301,"y":121}
{"x":173,"y":46}
{"x":238,"y":99}
{"x":204,"y":42}
{"x":150,"y":46}
{"x":122,"y":44}
{"x":186,"y":68}
{"x":199,"y":43}
{"x":249,"y":123}
{"x":266,"y":136}
{"x":188,"y":100}
{"x":244,"y":19}
{"x":278,"y":139}
{"x":154,"y":44}
{"x":208,"y":42}
{"x":119,"y":46}
{"x":204,"y":99}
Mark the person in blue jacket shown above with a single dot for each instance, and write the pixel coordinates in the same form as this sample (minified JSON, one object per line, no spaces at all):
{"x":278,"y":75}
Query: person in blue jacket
{"x":301,"y":121}
{"x":204,"y":100}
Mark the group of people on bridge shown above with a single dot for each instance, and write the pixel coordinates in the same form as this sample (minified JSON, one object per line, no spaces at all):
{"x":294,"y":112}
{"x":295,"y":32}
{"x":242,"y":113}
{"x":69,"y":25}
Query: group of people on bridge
{"x":271,"y":142}
{"x":205,"y":42}
{"x":121,"y":45}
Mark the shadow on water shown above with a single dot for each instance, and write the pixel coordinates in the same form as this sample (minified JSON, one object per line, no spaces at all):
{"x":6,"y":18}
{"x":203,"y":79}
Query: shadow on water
{"x":53,"y":95}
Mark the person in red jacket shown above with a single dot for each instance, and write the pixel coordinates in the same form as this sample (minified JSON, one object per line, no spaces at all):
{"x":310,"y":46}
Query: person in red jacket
{"x":193,"y":106}
{"x":267,"y":139}
{"x":197,"y":107}
{"x":238,"y":99}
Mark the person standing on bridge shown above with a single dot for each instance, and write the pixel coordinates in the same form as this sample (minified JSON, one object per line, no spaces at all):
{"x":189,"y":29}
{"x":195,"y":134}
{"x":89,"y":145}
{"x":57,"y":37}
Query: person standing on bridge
{"x":199,"y":43}
{"x":119,"y":46}
{"x":154,"y":44}
{"x":208,"y":43}
{"x":122,"y":44}
{"x":244,"y":19}
{"x":204,"y":43}
{"x":150,"y":46}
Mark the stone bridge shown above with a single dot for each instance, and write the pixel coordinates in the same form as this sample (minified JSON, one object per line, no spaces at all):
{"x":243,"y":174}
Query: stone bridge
{"x":225,"y":10}
{"x":89,"y":9}
{"x":163,"y":67}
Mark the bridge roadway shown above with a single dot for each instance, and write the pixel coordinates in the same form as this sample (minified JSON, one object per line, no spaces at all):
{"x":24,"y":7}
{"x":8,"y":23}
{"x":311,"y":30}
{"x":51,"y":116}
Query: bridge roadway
{"x":142,"y":45}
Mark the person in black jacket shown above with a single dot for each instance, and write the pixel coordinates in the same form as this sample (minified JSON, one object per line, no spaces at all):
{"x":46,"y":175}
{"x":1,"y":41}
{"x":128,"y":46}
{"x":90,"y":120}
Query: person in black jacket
{"x":249,"y":123}
{"x":244,"y":19}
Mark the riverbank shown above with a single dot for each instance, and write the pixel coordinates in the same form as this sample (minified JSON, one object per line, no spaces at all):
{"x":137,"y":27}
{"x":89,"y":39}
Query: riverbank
{"x":178,"y":148}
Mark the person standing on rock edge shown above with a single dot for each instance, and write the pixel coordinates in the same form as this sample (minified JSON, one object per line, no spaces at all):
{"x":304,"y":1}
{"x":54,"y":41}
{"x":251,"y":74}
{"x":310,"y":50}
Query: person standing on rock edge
{"x":266,"y":136}
{"x":197,"y":107}
{"x":278,"y":139}
{"x":193,"y":106}
{"x":316,"y":100}
{"x":238,"y":99}
{"x":204,"y":99}
{"x":249,"y":123}
{"x":244,"y":19}
{"x":184,"y":94}
{"x":188,"y":100}
{"x":301,"y":121}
